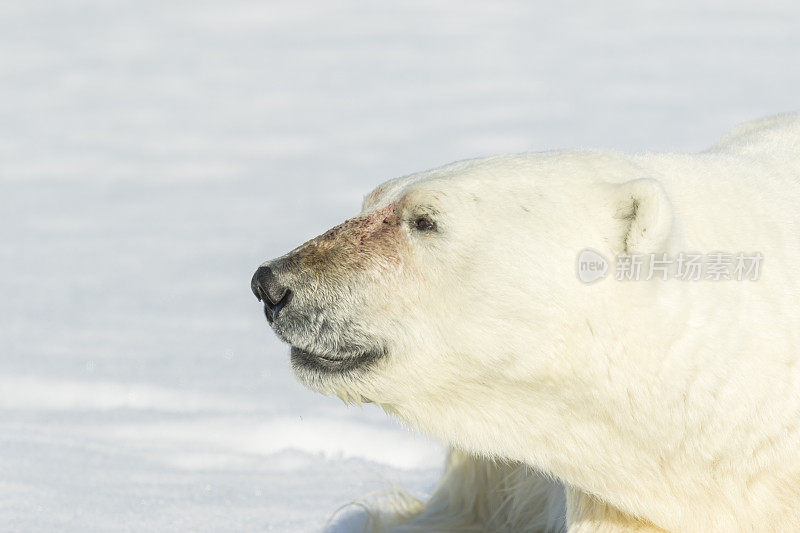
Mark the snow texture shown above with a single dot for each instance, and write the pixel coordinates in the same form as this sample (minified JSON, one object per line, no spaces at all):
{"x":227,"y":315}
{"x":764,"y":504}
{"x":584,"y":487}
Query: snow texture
{"x":152,"y":154}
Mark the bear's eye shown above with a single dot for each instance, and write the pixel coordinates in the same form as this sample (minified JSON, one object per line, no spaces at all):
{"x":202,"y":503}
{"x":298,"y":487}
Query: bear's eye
{"x":423,"y":223}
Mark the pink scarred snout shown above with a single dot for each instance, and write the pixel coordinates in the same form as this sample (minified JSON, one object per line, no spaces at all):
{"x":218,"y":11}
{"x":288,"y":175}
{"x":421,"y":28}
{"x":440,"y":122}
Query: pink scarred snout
{"x":369,"y":243}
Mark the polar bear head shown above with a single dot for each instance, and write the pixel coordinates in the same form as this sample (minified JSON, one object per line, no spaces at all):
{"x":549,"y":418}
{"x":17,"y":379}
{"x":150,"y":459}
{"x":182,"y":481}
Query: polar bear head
{"x":459,"y":283}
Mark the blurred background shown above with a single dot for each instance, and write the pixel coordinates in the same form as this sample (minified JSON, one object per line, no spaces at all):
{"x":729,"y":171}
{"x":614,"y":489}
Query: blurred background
{"x":153,"y":153}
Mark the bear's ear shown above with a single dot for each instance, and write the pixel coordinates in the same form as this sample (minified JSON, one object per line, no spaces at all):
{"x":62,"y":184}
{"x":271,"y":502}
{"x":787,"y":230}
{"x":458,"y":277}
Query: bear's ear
{"x":642,"y":217}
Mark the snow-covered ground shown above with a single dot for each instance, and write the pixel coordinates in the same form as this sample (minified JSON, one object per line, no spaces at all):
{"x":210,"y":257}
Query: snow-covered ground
{"x":153,"y":153}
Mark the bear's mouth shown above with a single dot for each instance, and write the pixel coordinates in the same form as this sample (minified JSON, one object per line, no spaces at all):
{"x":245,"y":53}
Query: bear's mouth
{"x":333,"y":364}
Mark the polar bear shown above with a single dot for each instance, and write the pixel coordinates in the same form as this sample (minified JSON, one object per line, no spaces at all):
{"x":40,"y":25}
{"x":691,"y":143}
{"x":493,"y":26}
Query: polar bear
{"x":452,"y":301}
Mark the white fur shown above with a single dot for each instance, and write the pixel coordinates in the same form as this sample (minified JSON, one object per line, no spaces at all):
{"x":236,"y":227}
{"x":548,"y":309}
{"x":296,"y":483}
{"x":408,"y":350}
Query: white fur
{"x":672,"y":405}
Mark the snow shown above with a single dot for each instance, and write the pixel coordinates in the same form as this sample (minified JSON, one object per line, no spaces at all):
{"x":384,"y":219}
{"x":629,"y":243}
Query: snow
{"x":152,"y":154}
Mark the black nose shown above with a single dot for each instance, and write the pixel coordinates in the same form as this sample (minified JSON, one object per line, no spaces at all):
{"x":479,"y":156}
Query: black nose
{"x":268,"y":289}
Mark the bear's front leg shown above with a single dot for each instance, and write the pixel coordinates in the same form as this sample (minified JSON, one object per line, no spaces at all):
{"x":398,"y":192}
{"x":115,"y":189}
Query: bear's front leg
{"x":479,"y":494}
{"x":587,"y":514}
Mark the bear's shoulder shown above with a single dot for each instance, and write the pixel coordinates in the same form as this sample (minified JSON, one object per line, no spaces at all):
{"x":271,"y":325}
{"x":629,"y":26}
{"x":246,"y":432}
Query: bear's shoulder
{"x":778,"y":135}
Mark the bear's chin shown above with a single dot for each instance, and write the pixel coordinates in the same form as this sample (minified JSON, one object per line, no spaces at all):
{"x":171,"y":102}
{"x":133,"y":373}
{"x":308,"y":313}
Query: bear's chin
{"x":307,"y":363}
